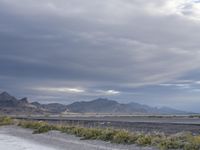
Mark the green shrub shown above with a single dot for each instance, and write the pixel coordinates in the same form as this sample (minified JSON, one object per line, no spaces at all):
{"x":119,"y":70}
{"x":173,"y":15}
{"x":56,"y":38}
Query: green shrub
{"x":155,"y":141}
{"x":78,"y":131}
{"x":169,"y":143}
{"x":44,"y":129}
{"x":107,"y":134}
{"x":144,"y":140}
{"x":196,"y":139}
{"x":193,"y":143}
{"x":39,"y":127}
{"x":32,"y":124}
{"x":122,"y":137}
{"x":6,"y":121}
{"x":91,"y":133}
{"x":191,"y":146}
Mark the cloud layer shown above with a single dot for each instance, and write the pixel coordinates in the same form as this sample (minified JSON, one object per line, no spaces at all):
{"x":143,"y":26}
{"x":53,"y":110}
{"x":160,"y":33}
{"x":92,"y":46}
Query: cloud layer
{"x":112,"y":48}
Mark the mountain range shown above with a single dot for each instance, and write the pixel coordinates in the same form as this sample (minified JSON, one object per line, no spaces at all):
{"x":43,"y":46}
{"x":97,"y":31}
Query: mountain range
{"x":11,"y":105}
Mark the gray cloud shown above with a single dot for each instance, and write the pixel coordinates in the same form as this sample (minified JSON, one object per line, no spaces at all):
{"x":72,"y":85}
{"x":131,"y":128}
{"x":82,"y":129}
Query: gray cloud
{"x":111,"y":45}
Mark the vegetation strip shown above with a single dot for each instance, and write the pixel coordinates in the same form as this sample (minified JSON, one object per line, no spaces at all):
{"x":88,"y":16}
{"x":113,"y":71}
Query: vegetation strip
{"x":185,"y":141}
{"x":5,"y":121}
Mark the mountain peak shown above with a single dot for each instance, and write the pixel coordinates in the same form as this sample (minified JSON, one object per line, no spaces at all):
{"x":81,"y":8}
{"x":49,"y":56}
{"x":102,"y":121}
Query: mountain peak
{"x":101,"y":99}
{"x":5,"y":96}
{"x":23,"y":100}
{"x":105,"y":100}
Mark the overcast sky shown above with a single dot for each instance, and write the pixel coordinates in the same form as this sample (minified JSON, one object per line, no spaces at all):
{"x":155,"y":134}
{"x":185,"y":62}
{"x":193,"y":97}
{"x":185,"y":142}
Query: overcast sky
{"x":145,"y":51}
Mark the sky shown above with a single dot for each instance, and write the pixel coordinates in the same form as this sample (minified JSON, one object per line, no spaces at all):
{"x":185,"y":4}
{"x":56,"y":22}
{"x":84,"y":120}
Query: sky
{"x":145,"y":51}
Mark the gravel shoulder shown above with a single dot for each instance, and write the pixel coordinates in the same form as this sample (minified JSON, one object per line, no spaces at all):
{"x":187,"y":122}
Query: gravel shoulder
{"x":23,"y":139}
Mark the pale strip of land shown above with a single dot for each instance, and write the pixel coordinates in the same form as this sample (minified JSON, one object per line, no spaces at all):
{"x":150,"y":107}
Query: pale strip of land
{"x":16,"y":138}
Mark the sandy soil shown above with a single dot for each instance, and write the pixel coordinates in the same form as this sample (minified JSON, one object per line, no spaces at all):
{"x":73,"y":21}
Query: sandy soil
{"x":16,"y":138}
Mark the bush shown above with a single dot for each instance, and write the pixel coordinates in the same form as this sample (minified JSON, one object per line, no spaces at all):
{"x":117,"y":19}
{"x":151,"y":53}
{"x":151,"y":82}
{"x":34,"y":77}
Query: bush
{"x":156,"y":140}
{"x":39,"y":127}
{"x":193,"y":143}
{"x":44,"y":129}
{"x":32,"y":124}
{"x":169,"y":143}
{"x":6,"y":121}
{"x":78,"y":131}
{"x":107,"y":134}
{"x":124,"y":137}
{"x":191,"y":146}
{"x":92,"y":133}
{"x":66,"y":129}
{"x":196,"y":139}
{"x":144,"y":140}
{"x":86,"y":133}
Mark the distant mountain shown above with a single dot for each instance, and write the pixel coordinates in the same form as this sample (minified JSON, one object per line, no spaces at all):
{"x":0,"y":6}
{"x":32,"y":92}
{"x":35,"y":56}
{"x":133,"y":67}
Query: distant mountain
{"x":168,"y":110}
{"x":54,"y":107}
{"x":7,"y":100}
{"x":98,"y":105}
{"x":109,"y":106}
{"x":11,"y":105}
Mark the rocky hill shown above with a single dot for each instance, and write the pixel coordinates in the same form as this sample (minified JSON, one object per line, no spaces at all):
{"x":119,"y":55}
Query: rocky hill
{"x":11,"y":105}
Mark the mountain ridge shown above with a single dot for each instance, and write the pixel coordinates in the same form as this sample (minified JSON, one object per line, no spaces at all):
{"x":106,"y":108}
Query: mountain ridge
{"x":103,"y":105}
{"x":11,"y":105}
